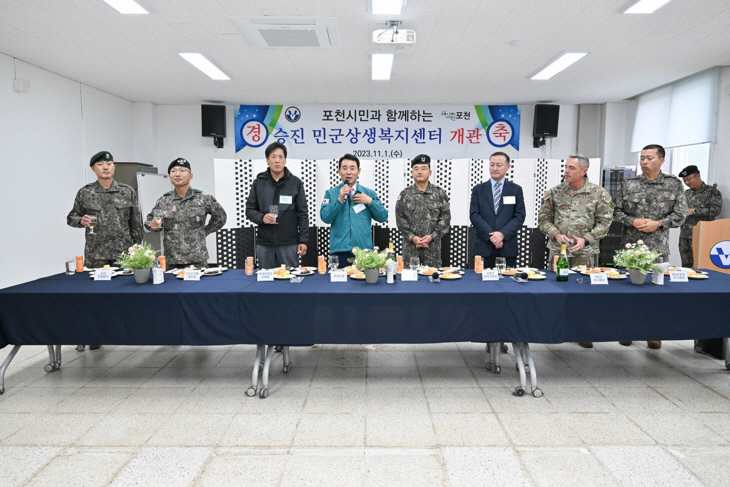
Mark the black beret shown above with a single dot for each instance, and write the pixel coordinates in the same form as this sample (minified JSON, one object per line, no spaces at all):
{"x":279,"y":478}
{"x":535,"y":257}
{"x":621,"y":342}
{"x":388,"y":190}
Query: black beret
{"x":179,"y":162}
{"x":688,"y":171}
{"x":421,"y":159}
{"x":100,"y":156}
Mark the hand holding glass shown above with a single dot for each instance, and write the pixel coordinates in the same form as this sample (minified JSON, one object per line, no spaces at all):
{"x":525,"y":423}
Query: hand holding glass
{"x":158,"y":219}
{"x":92,"y":223}
{"x":274,"y":211}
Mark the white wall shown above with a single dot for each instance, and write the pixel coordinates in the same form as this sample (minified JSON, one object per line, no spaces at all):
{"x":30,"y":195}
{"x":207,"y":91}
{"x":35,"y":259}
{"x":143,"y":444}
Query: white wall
{"x":720,"y":158}
{"x":44,"y":161}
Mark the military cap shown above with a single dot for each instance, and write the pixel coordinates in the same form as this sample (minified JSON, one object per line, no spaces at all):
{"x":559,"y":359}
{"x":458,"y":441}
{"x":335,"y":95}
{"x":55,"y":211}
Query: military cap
{"x":421,"y":159}
{"x":688,"y":171}
{"x":100,"y":156}
{"x":179,"y":162}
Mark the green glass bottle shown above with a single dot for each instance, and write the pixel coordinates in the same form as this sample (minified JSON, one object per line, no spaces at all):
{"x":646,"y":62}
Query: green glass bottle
{"x":561,"y":268}
{"x":391,"y":251}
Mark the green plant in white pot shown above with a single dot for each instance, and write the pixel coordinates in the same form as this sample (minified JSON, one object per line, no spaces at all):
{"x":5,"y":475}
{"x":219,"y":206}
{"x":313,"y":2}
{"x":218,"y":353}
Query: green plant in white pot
{"x":140,"y":259}
{"x":370,"y":262}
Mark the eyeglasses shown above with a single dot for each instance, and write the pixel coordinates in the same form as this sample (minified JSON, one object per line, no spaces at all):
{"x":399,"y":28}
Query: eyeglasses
{"x":689,"y":179}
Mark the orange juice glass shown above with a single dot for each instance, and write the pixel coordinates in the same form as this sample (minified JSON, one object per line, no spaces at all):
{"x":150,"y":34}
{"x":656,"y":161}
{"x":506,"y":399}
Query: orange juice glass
{"x":79,"y":264}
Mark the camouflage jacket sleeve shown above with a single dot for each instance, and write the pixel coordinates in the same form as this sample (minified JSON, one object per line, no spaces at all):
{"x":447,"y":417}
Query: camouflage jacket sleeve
{"x":679,"y":212}
{"x":546,"y":217}
{"x":715,"y":204}
{"x":443,"y":225}
{"x":603,"y":217}
{"x":136,"y":230}
{"x":217,"y":215}
{"x":73,"y":219}
{"x":401,"y":218}
{"x":148,"y":220}
{"x":618,"y":209}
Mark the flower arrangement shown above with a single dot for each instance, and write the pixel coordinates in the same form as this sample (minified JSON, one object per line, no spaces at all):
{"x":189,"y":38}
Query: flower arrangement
{"x":138,"y":257}
{"x":636,"y":256}
{"x":369,"y":259}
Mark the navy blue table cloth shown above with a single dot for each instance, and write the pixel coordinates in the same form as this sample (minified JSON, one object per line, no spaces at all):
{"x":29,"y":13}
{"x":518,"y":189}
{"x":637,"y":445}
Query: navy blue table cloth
{"x":235,"y":309}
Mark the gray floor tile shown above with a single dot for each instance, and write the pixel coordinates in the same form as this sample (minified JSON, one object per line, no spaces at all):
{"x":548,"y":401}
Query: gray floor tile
{"x":644,"y":465}
{"x":493,"y":466}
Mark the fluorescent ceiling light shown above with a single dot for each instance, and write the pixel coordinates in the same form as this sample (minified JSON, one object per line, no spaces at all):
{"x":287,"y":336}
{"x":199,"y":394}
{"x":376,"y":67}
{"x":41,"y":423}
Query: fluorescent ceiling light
{"x":645,"y":6}
{"x":203,"y":64}
{"x":558,"y":65}
{"x":387,"y":7}
{"x":126,"y":6}
{"x":382,"y":65}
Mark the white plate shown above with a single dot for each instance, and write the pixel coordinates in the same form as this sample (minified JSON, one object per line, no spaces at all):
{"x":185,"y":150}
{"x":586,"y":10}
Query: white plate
{"x":699,"y":276}
{"x":537,"y":278}
{"x":450,"y":278}
{"x":102,"y":269}
{"x":209,"y":272}
{"x":308,"y":272}
{"x":619,"y":277}
{"x":281,"y":278}
{"x":421,"y":271}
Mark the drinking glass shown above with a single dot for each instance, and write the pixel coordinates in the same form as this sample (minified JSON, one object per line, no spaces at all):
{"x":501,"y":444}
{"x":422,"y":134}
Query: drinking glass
{"x":158,"y":218}
{"x":413,"y":263}
{"x":92,"y":223}
{"x":334,"y":262}
{"x":501,"y":264}
{"x":274,"y":210}
{"x":70,"y":266}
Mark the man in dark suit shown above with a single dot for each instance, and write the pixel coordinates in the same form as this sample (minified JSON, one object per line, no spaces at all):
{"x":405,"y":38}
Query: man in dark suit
{"x":497,"y":211}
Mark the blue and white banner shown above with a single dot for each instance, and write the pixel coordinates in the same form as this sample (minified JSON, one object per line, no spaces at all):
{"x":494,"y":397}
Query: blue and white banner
{"x":378,"y":131}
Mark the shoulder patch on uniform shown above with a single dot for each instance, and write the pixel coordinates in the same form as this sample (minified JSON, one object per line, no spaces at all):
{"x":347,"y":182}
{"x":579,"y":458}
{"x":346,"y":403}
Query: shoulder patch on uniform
{"x":325,"y":201}
{"x":398,"y":199}
{"x":198,"y":190}
{"x":167,"y":194}
{"x":547,"y":193}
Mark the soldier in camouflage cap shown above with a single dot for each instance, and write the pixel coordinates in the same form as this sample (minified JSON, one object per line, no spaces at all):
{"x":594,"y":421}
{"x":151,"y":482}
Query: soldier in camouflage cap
{"x":115,"y":205}
{"x":423,"y":215}
{"x":576,"y":210}
{"x":649,"y":205}
{"x":579,"y":211}
{"x":182,"y":214}
{"x":705,"y":204}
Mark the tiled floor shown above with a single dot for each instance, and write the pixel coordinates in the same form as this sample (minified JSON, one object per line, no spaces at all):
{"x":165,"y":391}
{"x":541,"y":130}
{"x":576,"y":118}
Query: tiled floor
{"x":353,"y":416}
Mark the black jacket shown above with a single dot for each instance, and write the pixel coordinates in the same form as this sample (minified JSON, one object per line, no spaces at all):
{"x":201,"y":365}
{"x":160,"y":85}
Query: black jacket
{"x":293,"y":227}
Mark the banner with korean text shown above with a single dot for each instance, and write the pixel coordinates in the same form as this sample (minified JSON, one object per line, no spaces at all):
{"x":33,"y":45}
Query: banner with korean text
{"x":378,"y":131}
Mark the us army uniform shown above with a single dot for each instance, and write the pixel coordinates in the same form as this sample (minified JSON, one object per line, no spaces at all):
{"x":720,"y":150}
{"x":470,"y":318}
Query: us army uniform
{"x":420,"y":213}
{"x":184,"y":225}
{"x":119,"y":221}
{"x":704,"y":199}
{"x":662,"y":200}
{"x":585,"y":212}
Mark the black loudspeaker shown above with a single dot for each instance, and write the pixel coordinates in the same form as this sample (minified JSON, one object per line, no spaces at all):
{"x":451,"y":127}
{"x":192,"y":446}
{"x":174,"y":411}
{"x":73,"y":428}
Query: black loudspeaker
{"x":546,"y":121}
{"x":213,"y":118}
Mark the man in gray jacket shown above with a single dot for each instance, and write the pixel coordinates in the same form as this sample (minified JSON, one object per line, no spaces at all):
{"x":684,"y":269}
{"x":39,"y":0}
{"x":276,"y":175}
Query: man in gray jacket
{"x":282,"y":238}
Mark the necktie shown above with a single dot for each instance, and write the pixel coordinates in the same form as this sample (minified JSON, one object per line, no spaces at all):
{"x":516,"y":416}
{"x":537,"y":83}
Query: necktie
{"x":497,"y":195}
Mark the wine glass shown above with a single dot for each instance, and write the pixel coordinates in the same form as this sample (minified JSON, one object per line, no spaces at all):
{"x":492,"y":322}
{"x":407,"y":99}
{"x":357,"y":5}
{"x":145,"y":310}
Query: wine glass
{"x":158,"y":218}
{"x":500,"y":263}
{"x":334,"y":262}
{"x":92,"y":223}
{"x":274,"y":210}
{"x":413,"y":263}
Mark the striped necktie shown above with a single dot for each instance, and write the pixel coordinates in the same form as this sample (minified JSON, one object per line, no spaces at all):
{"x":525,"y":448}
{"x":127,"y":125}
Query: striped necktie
{"x":497,"y":195}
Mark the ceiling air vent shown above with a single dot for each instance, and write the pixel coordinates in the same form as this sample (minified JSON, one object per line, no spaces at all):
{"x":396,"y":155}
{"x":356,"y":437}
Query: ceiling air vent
{"x":270,"y":32}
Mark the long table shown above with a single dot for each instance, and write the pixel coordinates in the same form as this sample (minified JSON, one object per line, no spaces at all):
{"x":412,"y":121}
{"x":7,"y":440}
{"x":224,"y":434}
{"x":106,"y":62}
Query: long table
{"x":233,"y":308}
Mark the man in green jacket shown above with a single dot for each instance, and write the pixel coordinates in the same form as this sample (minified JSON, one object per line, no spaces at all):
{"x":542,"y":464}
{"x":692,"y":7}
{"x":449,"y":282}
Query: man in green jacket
{"x":350,"y":208}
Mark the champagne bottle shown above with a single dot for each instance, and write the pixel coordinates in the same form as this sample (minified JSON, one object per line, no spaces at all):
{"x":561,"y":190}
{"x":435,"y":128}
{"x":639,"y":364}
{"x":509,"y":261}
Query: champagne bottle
{"x":391,"y":252}
{"x":561,"y":268}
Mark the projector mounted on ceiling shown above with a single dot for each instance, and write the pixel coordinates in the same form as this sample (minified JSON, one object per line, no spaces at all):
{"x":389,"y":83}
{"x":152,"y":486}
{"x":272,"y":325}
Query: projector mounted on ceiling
{"x":393,"y":39}
{"x":271,"y":32}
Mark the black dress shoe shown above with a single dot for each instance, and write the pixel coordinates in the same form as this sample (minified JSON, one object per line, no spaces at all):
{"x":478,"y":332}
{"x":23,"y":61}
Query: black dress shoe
{"x":625,"y":344}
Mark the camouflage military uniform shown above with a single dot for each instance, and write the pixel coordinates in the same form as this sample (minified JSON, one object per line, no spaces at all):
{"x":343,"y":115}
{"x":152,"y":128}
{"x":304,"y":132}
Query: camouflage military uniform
{"x":585,"y":212}
{"x":184,"y":225}
{"x":702,"y":200}
{"x":420,"y":213}
{"x":119,"y":221}
{"x":662,"y":200}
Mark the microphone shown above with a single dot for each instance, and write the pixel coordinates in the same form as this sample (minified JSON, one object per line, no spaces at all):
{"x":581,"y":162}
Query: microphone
{"x":347,"y":196}
{"x":522,"y":275}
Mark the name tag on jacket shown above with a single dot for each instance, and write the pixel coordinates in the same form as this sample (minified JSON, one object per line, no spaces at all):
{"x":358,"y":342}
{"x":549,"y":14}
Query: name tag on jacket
{"x":509,"y":200}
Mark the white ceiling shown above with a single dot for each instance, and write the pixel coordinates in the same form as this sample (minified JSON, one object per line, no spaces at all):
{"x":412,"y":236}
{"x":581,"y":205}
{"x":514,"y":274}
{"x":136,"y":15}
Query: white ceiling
{"x":463,"y":55}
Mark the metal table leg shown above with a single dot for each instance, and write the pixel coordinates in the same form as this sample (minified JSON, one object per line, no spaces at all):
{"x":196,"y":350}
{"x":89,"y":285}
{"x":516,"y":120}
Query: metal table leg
{"x":726,"y":351}
{"x":4,"y":367}
{"x":536,"y":391}
{"x":520,"y":390}
{"x":287,"y":360}
{"x":255,"y":374}
{"x":264,"y":392}
{"x":54,"y":358}
{"x":493,"y":349}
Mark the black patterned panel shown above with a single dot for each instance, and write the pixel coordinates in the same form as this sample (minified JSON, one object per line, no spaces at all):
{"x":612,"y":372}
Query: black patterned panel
{"x":310,"y":258}
{"x":309,"y":179}
{"x":244,"y":180}
{"x":382,"y":186}
{"x":444,"y":176}
{"x":538,"y":249}
{"x":323,"y":241}
{"x":335,"y":178}
{"x":455,"y":247}
{"x":234,"y":245}
{"x":540,"y":183}
{"x":524,"y":235}
{"x":475,"y":173}
{"x":381,"y":236}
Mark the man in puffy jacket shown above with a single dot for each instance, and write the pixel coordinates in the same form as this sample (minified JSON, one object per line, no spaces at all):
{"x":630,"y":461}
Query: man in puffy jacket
{"x":350,"y":208}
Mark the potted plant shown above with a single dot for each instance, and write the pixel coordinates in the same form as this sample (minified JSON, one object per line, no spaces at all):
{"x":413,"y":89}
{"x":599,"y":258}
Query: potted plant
{"x":140,"y":258}
{"x":638,"y":259}
{"x":370,"y":262}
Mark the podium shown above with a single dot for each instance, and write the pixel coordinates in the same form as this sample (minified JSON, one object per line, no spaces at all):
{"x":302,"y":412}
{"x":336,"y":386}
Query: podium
{"x":705,"y":236}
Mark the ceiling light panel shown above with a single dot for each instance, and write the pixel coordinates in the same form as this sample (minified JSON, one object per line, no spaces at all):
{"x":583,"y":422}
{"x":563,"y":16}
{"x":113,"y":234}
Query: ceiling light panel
{"x":382,"y":65}
{"x":646,"y":6}
{"x":387,"y":7}
{"x":126,"y":6}
{"x":558,"y":65}
{"x":205,"y":65}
